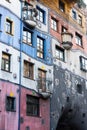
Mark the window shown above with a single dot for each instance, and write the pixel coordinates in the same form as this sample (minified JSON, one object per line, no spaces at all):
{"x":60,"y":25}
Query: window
{"x":61,"y":6}
{"x":40,"y":16}
{"x":83,"y":63}
{"x":54,"y":24}
{"x":28,"y":69}
{"x":8,"y":1}
{"x":59,"y":53}
{"x":10,"y":103}
{"x":78,"y":39}
{"x":63,"y":29}
{"x":73,"y":14}
{"x":5,"y":62}
{"x":9,"y":25}
{"x":40,"y":47}
{"x":79,"y":20}
{"x":27,"y":37}
{"x":42,"y":79}
{"x":79,"y":88}
{"x":32,"y":106}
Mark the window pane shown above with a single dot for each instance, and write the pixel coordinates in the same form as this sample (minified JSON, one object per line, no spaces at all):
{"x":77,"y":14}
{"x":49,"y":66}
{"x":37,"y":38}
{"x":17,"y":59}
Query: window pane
{"x":32,"y":106}
{"x":10,"y":104}
{"x":40,"y":16}
{"x":27,"y":37}
{"x":5,"y":62}
{"x":54,"y":24}
{"x":8,"y":26}
{"x":28,"y":70}
{"x":40,"y":47}
{"x":59,"y":53}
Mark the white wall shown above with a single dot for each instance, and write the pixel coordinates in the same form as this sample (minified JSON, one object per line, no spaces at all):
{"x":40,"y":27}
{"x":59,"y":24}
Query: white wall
{"x":14,"y":64}
{"x":33,"y":83}
{"x":13,"y":5}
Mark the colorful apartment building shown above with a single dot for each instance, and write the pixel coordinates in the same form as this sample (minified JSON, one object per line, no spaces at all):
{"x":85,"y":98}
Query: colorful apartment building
{"x":43,"y":80}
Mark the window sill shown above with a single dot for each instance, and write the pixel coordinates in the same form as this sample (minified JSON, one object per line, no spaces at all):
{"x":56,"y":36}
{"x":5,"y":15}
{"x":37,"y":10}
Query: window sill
{"x":27,"y":43}
{"x":84,"y":70}
{"x":60,"y":60}
{"x":6,"y":71}
{"x":8,"y":1}
{"x":35,"y":116}
{"x":9,"y":33}
{"x":28,"y":78}
{"x":11,"y":110}
{"x":80,"y":46}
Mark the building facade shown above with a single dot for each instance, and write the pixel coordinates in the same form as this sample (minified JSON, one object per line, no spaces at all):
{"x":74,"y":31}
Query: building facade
{"x":43,"y":80}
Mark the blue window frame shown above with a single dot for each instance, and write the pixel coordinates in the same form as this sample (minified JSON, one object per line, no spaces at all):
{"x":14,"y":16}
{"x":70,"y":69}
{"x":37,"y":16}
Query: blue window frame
{"x":27,"y":36}
{"x":41,"y":15}
{"x":40,"y":47}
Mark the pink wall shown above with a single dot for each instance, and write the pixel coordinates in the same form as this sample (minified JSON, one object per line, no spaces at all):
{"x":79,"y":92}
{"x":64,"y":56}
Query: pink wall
{"x":35,"y":123}
{"x":71,"y":29}
{"x":8,"y":120}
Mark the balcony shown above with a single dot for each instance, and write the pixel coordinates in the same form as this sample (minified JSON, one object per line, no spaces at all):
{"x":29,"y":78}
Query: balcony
{"x":44,"y":87}
{"x":67,"y":40}
{"x":29,"y":12}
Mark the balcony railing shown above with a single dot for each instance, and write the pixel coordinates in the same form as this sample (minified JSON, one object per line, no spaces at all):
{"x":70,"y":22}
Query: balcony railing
{"x":44,"y":87}
{"x":29,"y":12}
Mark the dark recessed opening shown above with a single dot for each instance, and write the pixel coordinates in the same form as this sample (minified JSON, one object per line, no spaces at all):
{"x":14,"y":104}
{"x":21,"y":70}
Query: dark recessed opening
{"x":79,"y":88}
{"x":83,"y":114}
{"x":67,"y":99}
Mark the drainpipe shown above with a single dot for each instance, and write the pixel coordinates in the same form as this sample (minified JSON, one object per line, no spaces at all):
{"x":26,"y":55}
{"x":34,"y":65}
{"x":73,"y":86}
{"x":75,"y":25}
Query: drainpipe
{"x":20,"y":61}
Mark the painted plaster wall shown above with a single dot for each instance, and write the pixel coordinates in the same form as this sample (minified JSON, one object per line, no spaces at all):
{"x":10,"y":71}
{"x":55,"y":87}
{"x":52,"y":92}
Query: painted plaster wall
{"x":65,"y":85}
{"x":8,"y":120}
{"x":43,"y":26}
{"x":72,"y":59}
{"x":37,"y":65}
{"x":14,"y":6}
{"x":14,"y":64}
{"x":32,"y":50}
{"x":10,"y":40}
{"x":35,"y":123}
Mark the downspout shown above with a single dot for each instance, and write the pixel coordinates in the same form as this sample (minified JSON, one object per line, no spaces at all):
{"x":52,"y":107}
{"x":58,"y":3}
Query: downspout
{"x":20,"y":61}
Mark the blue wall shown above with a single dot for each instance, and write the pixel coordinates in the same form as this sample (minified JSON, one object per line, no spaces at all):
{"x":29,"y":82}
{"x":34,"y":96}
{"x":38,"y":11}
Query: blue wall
{"x":12,"y":40}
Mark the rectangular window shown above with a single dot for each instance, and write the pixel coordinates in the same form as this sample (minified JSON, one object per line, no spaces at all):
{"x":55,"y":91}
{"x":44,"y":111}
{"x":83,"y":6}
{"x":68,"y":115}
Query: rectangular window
{"x":28,"y":70}
{"x":27,"y":37}
{"x":54,"y":24}
{"x":78,"y":39}
{"x":10,"y":103}
{"x":42,"y":79}
{"x":9,"y":26}
{"x":73,"y":14}
{"x":40,"y":16}
{"x":63,"y":29}
{"x":32,"y":106}
{"x":80,"y":20}
{"x":61,"y":6}
{"x":83,"y":63}
{"x":40,"y":47}
{"x":79,"y":88}
{"x":59,"y":53}
{"x":5,"y":62}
